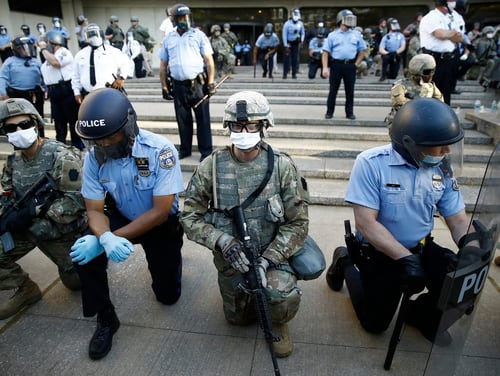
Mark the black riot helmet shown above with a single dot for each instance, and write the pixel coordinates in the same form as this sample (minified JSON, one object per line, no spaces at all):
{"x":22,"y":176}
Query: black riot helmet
{"x":25,"y":29}
{"x":321,"y":32}
{"x":96,"y":121}
{"x":424,"y":122}
{"x":181,"y":10}
{"x":41,"y":28}
{"x":3,"y":30}
{"x":56,"y":38}
{"x":23,"y":47}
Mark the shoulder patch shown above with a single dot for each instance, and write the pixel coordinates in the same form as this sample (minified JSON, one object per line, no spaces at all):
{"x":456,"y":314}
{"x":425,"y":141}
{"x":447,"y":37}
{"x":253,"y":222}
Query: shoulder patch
{"x":167,"y":158}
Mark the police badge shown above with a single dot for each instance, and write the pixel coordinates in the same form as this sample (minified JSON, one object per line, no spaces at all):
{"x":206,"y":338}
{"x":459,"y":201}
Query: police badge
{"x":167,"y":158}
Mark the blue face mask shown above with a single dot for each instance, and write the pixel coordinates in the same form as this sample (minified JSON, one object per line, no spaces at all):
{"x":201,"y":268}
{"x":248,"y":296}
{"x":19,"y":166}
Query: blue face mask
{"x":431,"y":161}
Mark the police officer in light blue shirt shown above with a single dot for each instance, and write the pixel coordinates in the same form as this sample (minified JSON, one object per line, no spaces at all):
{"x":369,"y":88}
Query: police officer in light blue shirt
{"x":58,"y":26}
{"x":315,"y":52}
{"x":293,"y":35}
{"x":187,"y":57}
{"x":131,"y":185}
{"x":265,"y":48}
{"x":5,"y":39}
{"x":391,"y":47}
{"x":396,"y":190}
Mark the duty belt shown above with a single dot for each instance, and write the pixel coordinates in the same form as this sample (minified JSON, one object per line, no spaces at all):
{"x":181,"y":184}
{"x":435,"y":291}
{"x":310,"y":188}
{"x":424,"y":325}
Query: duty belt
{"x":439,"y":55}
{"x":184,"y":82}
{"x":344,"y":61}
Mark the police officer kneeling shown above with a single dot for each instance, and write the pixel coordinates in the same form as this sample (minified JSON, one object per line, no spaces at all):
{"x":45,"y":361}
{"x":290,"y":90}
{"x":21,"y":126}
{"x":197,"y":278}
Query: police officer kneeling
{"x":139,"y":175}
{"x":395,"y":191}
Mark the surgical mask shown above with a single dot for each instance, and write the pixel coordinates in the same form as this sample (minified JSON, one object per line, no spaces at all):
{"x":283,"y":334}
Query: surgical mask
{"x":23,"y":139}
{"x":431,"y":161}
{"x":452,"y":5}
{"x":57,"y":24}
{"x":217,"y":33}
{"x":295,"y":18}
{"x":116,"y":151}
{"x":489,"y":35}
{"x":95,"y":41}
{"x":245,"y":140}
{"x":321,"y":24}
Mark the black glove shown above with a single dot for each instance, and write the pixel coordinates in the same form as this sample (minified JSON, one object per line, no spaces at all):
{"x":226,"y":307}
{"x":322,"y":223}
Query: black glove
{"x":412,"y":274}
{"x":210,"y":89}
{"x":166,"y":95}
{"x":18,"y":220}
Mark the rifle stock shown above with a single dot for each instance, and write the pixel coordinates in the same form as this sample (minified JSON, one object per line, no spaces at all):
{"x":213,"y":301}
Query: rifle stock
{"x":254,"y":283}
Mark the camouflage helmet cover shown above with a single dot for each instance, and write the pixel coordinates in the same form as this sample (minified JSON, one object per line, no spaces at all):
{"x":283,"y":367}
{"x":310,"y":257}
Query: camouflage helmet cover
{"x":256,"y":107}
{"x":18,"y":106}
{"x":421,"y":62}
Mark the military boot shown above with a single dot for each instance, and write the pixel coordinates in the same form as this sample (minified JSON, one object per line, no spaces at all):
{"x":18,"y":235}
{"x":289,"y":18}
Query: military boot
{"x":28,"y":293}
{"x":283,"y":347}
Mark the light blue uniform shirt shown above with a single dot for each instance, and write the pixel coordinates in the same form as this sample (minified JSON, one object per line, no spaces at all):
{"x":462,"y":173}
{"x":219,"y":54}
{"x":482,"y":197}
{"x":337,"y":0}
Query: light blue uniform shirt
{"x":264,"y":42}
{"x":392,"y":41}
{"x":293,"y":32}
{"x":405,"y":197}
{"x":344,"y":45}
{"x":185,"y":52}
{"x":4,"y":39}
{"x":316,"y":46}
{"x":152,"y":170}
{"x":18,"y":76}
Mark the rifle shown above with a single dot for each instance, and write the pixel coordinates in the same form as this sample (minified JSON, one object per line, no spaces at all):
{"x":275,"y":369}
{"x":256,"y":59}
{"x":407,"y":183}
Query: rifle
{"x":42,"y":193}
{"x":396,"y":334}
{"x":254,"y":283}
{"x":205,"y":97}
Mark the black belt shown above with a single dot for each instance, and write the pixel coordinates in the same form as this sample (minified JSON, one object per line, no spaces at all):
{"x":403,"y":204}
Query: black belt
{"x":184,"y":83}
{"x":439,"y":55}
{"x":60,"y":83}
{"x":344,"y":61}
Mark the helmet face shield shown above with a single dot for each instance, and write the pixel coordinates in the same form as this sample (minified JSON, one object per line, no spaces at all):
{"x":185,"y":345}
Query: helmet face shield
{"x":23,"y":47}
{"x":349,"y":21}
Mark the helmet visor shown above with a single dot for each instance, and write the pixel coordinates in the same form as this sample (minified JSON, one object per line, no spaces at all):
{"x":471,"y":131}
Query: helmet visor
{"x":349,"y":21}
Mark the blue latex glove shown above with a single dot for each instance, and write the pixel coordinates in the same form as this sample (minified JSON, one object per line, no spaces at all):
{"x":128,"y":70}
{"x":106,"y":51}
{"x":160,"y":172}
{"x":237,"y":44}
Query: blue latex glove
{"x":85,"y":249}
{"x":117,"y":248}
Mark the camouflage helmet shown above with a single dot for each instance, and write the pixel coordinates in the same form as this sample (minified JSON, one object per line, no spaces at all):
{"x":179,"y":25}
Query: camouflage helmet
{"x":113,"y":19}
{"x":214,"y":28}
{"x":18,"y":106}
{"x":421,"y":62}
{"x":248,"y":106}
{"x":487,"y":30}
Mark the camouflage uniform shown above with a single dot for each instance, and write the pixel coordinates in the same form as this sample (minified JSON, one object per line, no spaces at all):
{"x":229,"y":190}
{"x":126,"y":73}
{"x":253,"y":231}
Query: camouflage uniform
{"x":223,"y":57}
{"x":277,"y":223}
{"x":63,"y":223}
{"x":404,"y":90}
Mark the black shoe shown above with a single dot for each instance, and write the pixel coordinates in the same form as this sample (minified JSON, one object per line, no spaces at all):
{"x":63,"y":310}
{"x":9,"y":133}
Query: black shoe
{"x":203,"y":157}
{"x":183,"y":155}
{"x":270,"y":76}
{"x":381,"y":79}
{"x":107,"y":325}
{"x":284,"y":76}
{"x":294,"y":76}
{"x":264,"y":74}
{"x":335,"y":273}
{"x":328,"y":116}
{"x":456,"y":92}
{"x":351,"y":117}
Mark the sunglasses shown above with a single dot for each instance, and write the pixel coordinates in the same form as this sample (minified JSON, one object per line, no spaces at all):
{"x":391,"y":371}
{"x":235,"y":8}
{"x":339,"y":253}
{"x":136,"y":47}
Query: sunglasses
{"x":249,"y":127}
{"x":427,"y":72}
{"x":12,"y":127}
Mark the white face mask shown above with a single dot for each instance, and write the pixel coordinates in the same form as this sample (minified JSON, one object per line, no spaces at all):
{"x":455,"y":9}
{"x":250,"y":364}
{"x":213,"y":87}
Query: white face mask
{"x":245,"y":140}
{"x":452,"y":5}
{"x":489,"y":35}
{"x":95,"y":41}
{"x":295,"y":18}
{"x":23,"y":139}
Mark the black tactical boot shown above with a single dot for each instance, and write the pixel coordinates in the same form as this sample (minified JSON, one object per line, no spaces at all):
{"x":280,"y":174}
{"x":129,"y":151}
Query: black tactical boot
{"x":107,"y":325}
{"x":335,"y":273}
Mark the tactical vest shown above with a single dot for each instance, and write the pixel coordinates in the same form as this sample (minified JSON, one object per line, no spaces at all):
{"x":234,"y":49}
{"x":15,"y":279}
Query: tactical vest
{"x":235,"y":182}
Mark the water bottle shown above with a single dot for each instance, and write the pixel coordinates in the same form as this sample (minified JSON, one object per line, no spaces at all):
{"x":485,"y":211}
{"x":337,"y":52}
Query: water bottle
{"x":477,"y":106}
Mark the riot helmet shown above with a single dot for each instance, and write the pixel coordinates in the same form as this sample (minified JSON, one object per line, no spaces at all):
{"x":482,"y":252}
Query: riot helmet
{"x":25,"y":29}
{"x":56,"y":21}
{"x":113,"y":19}
{"x":295,"y":14}
{"x":346,"y":17}
{"x":96,"y":122}
{"x":3,"y":30}
{"x":23,"y":47}
{"x":41,"y":28}
{"x":268,"y":30}
{"x":93,"y":35}
{"x":56,"y":38}
{"x":422,"y":65}
{"x":81,"y":19}
{"x":462,"y":7}
{"x":321,"y":33}
{"x":394,"y":25}
{"x":423,"y":123}
{"x":18,"y":106}
{"x":182,"y":10}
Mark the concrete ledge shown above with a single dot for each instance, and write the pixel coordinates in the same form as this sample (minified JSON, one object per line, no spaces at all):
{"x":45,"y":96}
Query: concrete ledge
{"x":487,"y":122}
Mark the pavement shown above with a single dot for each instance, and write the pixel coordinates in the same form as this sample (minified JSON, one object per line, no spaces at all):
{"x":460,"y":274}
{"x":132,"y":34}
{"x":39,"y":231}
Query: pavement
{"x":192,"y":337}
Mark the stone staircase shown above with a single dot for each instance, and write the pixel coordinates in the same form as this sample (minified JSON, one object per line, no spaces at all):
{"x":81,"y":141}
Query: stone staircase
{"x":324,"y":150}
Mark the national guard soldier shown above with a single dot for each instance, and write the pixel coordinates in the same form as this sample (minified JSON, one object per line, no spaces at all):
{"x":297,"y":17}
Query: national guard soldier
{"x":264,"y":50}
{"x":51,"y":222}
{"x":223,"y":57}
{"x":229,"y":36}
{"x":114,"y":33}
{"x":277,"y":218}
{"x":137,"y":174}
{"x":141,"y":34}
{"x":419,"y":85}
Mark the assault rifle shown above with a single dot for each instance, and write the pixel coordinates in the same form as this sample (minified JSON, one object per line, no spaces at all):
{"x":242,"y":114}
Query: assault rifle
{"x":41,"y":195}
{"x":254,"y":283}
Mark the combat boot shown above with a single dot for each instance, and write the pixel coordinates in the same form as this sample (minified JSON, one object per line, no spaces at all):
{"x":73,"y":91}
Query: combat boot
{"x":283,"y":347}
{"x":335,"y":273}
{"x":102,"y":340}
{"x":27,"y":294}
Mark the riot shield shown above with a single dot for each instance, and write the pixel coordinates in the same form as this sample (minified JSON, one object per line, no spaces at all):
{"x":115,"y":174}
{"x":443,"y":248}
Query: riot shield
{"x":463,"y":286}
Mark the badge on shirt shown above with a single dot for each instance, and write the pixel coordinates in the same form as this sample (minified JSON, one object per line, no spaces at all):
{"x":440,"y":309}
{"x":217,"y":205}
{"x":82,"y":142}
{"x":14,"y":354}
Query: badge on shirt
{"x":142,"y":166}
{"x":454,"y":184}
{"x":437,"y":181}
{"x":167,"y":158}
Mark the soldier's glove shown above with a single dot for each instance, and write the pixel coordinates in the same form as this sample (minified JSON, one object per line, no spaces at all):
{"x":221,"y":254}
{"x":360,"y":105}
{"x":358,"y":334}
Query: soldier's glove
{"x":18,"y":220}
{"x":232,"y":251}
{"x":166,"y":95}
{"x":211,"y":89}
{"x":411,"y":273}
{"x":85,"y":249}
{"x":117,"y":248}
{"x":262,"y":264}
{"x":118,"y":83}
